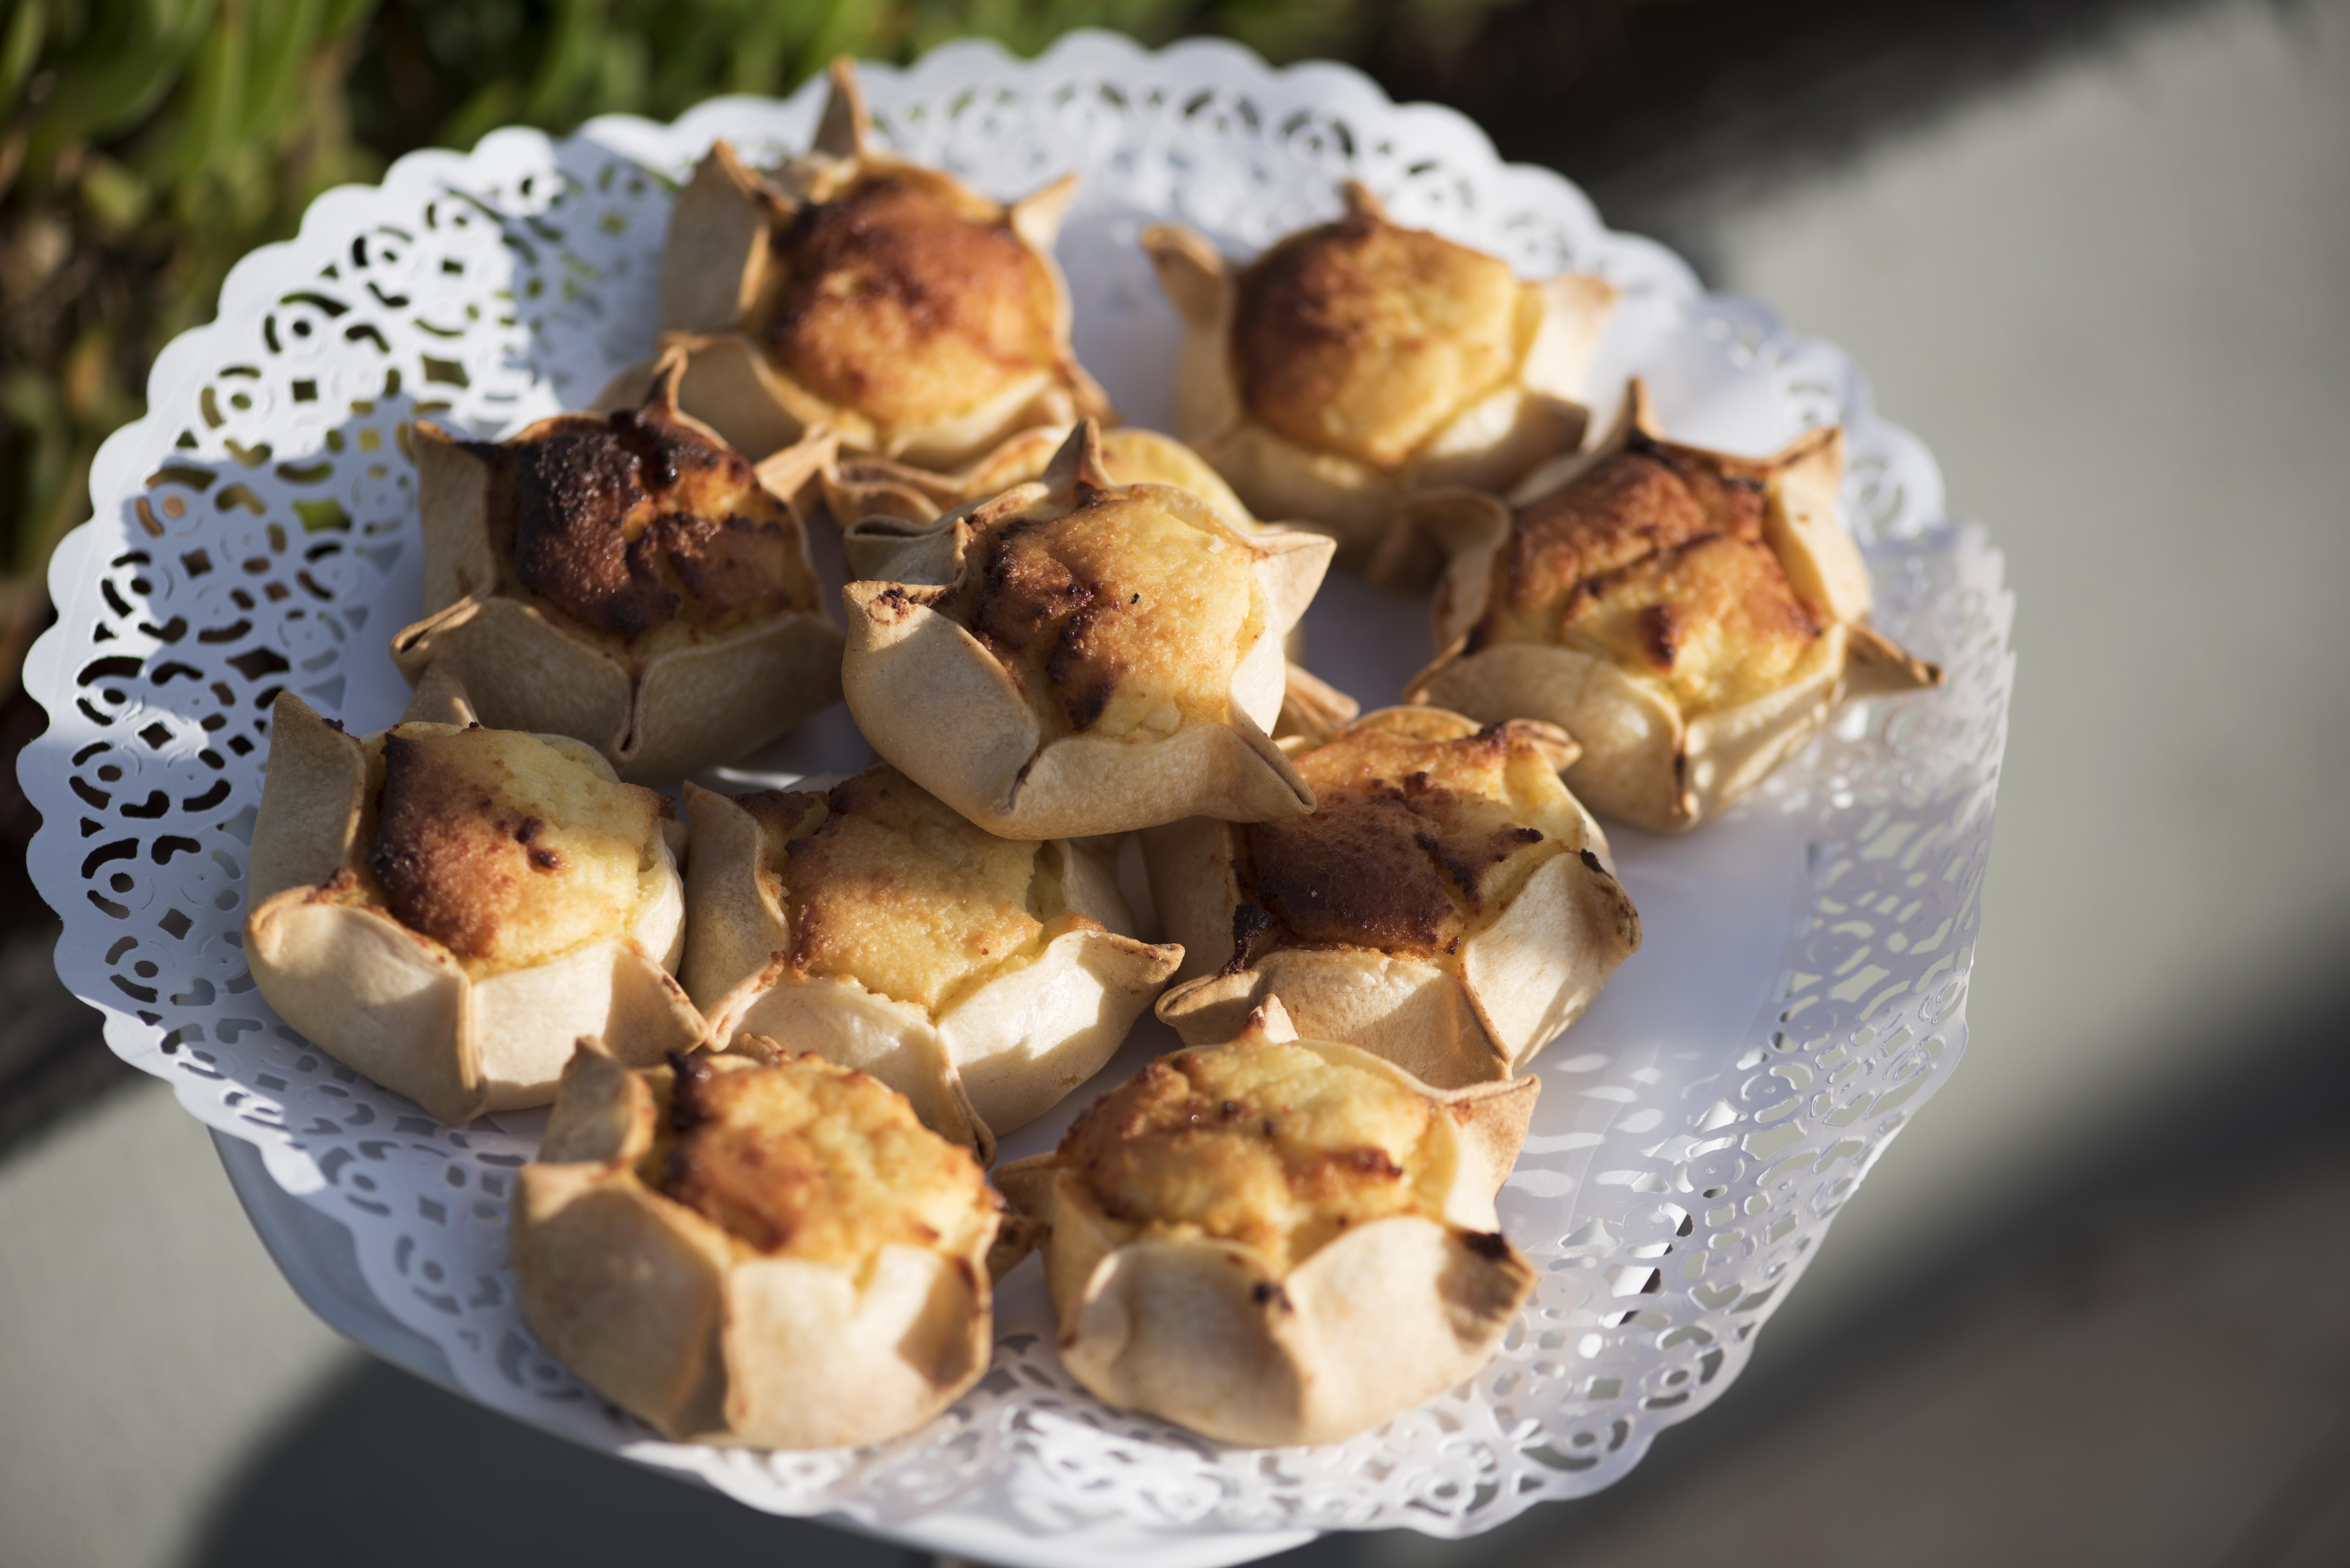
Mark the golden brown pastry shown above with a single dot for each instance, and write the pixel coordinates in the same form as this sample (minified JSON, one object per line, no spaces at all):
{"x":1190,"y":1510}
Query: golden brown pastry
{"x":1076,"y":657}
{"x":857,"y":291}
{"x":983,"y":978}
{"x":1360,"y":360}
{"x":1691,"y":617}
{"x":1448,"y":905}
{"x":1279,"y":1240}
{"x":629,"y":580}
{"x":757,"y":1249}
{"x":447,"y":908}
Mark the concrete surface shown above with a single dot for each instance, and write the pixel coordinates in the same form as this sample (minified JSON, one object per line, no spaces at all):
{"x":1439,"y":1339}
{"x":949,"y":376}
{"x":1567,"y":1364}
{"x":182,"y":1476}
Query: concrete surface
{"x":2111,"y":294}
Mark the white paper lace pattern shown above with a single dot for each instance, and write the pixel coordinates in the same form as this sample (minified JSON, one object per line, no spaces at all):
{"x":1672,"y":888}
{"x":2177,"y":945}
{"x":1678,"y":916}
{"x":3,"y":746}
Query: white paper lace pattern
{"x":257,"y":533}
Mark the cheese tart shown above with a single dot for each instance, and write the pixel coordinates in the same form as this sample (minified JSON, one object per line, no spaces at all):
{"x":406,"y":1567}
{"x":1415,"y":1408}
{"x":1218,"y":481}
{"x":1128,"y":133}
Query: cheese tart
{"x":1448,"y":905}
{"x":1691,"y":617}
{"x":755,"y":1249}
{"x":983,"y":978}
{"x":629,"y":579}
{"x":1074,"y":656}
{"x":447,"y":907}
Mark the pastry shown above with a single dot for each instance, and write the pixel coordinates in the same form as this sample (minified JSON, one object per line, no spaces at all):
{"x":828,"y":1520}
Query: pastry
{"x":983,"y":978}
{"x":1279,"y":1240}
{"x":1448,"y":905}
{"x":760,"y":1249}
{"x":447,"y":908}
{"x":1690,"y":617}
{"x":629,"y":580}
{"x":1075,"y":657}
{"x":1358,"y":360}
{"x":855,"y":291}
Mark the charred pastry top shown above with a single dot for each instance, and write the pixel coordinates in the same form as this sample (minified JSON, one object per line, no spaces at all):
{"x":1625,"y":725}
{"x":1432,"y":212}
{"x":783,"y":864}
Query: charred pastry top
{"x":642,"y":528}
{"x":1123,"y":616}
{"x":908,"y":300}
{"x":500,"y":847}
{"x":802,"y":1158}
{"x":1276,"y":1146}
{"x":1425,"y":827}
{"x":886,"y":884}
{"x":1657,"y":560}
{"x":1365,"y":339}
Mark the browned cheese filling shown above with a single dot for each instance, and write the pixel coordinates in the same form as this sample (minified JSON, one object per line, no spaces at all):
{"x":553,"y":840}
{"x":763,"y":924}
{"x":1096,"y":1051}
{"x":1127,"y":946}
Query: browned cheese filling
{"x":907,"y":306}
{"x":1124,"y":618}
{"x":805,"y":1160}
{"x":1415,"y":842}
{"x":1276,"y":1146}
{"x":500,"y":847}
{"x":1365,"y":340}
{"x":1657,"y":561}
{"x":647,"y":532}
{"x":884,"y":884}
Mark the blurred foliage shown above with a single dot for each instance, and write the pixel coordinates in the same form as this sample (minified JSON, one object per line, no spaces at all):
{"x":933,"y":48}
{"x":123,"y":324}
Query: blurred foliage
{"x":145,"y":145}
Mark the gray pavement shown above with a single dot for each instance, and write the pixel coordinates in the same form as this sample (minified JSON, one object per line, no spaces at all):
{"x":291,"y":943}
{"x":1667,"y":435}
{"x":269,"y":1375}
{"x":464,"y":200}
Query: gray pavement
{"x":2114,"y":294}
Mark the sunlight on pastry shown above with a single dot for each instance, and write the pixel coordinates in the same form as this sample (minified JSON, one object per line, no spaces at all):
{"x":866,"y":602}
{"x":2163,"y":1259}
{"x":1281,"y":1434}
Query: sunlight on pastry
{"x":1358,"y":360}
{"x":1691,"y":617}
{"x":984,"y":977}
{"x":448,"y":909}
{"x":629,"y":579}
{"x":1279,"y":1240}
{"x":754,"y":1249}
{"x":1448,"y":905}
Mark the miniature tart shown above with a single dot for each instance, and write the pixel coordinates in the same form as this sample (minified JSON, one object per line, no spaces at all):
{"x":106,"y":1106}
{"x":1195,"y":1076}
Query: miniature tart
{"x":1448,"y":905}
{"x":1076,"y":657}
{"x":856,"y":291}
{"x":983,"y":978}
{"x":448,"y":909}
{"x":1690,"y":616}
{"x":1358,"y":360}
{"x":886,"y":508}
{"x":754,"y":1249}
{"x":1279,"y":1240}
{"x":629,"y":580}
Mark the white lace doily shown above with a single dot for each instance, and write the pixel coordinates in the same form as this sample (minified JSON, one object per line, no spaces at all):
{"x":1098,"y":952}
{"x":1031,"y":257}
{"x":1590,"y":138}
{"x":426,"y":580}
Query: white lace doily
{"x":1799,"y":998}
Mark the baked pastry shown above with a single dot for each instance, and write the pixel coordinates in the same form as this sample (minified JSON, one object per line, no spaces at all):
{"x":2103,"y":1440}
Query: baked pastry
{"x":1690,"y":616}
{"x":1279,"y":1240}
{"x":1358,"y":360}
{"x":448,"y":909}
{"x":856,"y":291}
{"x":1075,"y":657}
{"x":1448,"y":905}
{"x":629,"y":580}
{"x":882,"y":506}
{"x":983,"y":978}
{"x":760,"y":1249}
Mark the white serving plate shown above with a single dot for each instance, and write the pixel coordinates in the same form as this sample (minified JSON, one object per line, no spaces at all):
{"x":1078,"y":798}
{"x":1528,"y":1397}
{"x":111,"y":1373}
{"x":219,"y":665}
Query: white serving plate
{"x":1799,"y":995}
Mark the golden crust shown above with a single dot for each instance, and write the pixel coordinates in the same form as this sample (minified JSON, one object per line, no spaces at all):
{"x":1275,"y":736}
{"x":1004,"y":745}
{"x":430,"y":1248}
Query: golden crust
{"x":800,"y":1159}
{"x":882,"y":300}
{"x":858,"y":486}
{"x":1447,"y":905}
{"x":1075,"y":657}
{"x":1358,"y":361}
{"x":1277,"y":1241}
{"x":627,"y":580}
{"x":501,"y":850}
{"x":1692,"y":618}
{"x":983,"y":978}
{"x":448,"y":910}
{"x":799,"y":1265}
